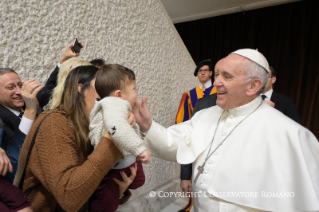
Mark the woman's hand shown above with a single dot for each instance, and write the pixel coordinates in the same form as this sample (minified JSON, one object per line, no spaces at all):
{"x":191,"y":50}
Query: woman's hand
{"x":106,"y":134}
{"x":131,"y":119}
{"x":126,"y":180}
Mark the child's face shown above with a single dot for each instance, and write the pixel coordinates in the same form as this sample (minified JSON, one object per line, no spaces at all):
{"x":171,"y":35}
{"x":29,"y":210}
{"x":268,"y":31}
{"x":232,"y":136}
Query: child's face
{"x":129,"y":93}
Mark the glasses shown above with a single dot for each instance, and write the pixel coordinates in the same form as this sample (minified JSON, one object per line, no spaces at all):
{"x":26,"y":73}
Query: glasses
{"x":12,"y":87}
{"x":203,"y":70}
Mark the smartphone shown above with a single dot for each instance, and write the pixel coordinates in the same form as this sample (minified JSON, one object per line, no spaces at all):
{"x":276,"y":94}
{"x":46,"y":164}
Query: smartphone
{"x":76,"y":46}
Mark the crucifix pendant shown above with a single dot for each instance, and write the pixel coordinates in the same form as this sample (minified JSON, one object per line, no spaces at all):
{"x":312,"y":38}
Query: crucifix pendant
{"x":200,"y":171}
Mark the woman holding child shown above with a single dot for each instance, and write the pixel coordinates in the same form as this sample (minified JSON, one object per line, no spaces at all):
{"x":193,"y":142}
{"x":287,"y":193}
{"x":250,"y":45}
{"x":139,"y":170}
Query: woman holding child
{"x":63,"y":170}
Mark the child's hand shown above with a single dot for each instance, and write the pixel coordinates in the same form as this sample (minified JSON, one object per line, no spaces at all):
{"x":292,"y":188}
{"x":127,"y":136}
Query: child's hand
{"x":145,"y":157}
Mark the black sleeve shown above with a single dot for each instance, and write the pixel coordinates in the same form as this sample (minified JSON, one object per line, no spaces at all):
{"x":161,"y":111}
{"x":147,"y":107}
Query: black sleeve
{"x":45,"y":94}
{"x":186,"y":171}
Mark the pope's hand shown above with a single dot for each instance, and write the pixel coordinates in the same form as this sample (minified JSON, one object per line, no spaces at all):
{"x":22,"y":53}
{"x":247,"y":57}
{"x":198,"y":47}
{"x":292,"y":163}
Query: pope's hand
{"x":142,"y":114}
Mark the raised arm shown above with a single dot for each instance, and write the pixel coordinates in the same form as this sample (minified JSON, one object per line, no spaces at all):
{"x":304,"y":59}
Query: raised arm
{"x":45,"y":94}
{"x":161,"y":142}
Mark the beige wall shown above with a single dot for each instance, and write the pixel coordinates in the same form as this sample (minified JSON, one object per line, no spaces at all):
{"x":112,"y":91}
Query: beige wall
{"x":134,"y":33}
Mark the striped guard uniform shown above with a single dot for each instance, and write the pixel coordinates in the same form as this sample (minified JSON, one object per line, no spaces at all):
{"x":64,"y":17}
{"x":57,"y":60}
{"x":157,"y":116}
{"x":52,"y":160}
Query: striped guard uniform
{"x":189,"y":100}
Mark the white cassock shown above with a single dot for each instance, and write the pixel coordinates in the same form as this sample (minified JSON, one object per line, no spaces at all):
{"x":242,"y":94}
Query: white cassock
{"x":266,"y":163}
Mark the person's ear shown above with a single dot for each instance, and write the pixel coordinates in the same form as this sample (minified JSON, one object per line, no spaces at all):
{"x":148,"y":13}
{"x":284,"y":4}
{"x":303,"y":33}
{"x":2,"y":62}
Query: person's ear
{"x":254,"y":86}
{"x":211,"y":73}
{"x":118,"y":93}
{"x":273,"y":80}
{"x":80,"y":87}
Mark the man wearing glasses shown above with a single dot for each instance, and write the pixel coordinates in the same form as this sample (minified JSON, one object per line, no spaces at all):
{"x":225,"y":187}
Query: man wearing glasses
{"x":17,"y":114}
{"x":19,"y":104}
{"x":203,"y":72}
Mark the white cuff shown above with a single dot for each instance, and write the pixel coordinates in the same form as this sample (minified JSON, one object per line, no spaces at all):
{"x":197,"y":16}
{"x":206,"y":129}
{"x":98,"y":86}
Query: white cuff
{"x":144,"y":133}
{"x":25,"y":125}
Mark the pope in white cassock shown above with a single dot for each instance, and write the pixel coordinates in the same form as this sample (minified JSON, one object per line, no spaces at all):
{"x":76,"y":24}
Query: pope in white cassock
{"x":246,"y":155}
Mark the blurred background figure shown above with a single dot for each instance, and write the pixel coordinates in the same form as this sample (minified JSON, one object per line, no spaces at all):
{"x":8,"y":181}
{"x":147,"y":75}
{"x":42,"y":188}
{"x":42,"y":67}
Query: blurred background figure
{"x":279,"y":101}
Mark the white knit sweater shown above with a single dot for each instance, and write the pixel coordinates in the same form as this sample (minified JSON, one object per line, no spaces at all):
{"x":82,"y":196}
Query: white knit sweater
{"x":115,"y":117}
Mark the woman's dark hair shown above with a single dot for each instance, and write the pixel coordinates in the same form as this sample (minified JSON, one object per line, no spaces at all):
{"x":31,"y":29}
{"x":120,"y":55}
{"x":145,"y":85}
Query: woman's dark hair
{"x":73,"y":103}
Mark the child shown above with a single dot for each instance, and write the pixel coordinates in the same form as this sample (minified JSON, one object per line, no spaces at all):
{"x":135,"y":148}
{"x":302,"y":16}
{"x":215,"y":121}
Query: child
{"x":115,"y":84}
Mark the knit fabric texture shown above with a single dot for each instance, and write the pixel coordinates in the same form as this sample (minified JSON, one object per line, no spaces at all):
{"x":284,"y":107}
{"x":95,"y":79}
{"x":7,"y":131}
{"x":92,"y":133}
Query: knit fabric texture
{"x":115,"y":112}
{"x":60,"y":170}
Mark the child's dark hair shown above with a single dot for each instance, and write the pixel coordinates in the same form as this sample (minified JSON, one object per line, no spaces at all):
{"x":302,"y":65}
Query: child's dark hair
{"x":112,"y":77}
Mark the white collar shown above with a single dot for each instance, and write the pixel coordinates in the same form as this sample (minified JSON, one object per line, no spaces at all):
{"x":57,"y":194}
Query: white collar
{"x":247,"y":108}
{"x":268,"y":94}
{"x":15,"y":112}
{"x":207,"y":84}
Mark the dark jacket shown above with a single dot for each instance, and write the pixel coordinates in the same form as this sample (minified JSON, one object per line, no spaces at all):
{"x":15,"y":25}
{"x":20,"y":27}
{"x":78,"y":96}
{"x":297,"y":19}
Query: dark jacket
{"x":12,"y":138}
{"x":286,"y":105}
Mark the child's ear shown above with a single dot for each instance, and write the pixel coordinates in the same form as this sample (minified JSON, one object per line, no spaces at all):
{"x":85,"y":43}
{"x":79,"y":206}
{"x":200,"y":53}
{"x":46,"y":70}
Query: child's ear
{"x":118,"y":93}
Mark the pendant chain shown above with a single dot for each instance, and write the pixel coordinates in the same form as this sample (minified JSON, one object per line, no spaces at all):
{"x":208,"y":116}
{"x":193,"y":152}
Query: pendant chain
{"x":201,"y":168}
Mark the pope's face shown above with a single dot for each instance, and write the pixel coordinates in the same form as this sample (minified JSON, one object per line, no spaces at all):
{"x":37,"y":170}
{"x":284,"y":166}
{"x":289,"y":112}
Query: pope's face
{"x":231,"y":82}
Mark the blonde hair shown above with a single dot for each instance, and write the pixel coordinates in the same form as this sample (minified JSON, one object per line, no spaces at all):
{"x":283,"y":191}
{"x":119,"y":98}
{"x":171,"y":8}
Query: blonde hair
{"x":65,"y":69}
